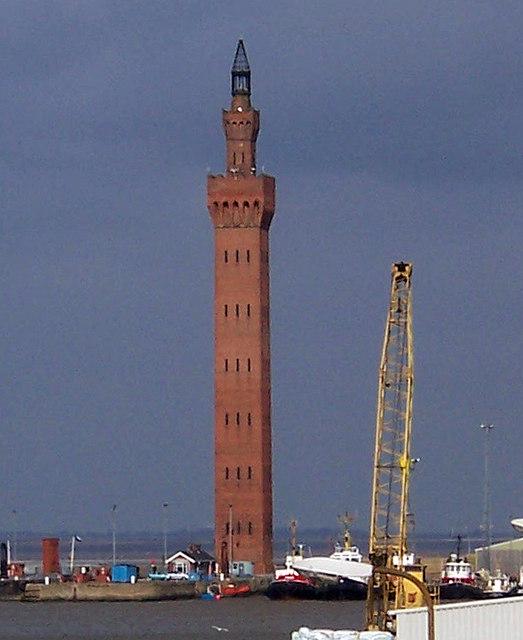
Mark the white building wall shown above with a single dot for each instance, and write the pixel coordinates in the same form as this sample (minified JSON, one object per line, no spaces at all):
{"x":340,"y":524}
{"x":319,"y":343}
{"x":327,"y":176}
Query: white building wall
{"x":481,"y":620}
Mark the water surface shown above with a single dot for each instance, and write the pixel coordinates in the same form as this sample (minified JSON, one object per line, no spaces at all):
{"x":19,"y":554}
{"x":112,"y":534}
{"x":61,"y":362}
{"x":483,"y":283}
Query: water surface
{"x":252,"y":618}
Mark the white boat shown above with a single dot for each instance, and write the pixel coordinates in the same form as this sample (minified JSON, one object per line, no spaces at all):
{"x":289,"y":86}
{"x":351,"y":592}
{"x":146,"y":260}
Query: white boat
{"x":343,"y":572}
{"x":517,"y":523}
{"x":343,"y":563}
{"x":499,"y":585}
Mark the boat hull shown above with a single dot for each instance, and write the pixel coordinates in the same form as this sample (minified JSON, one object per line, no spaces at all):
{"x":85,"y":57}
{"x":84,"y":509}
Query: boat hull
{"x":460,"y":591}
{"x":290,"y":590}
{"x":344,"y":589}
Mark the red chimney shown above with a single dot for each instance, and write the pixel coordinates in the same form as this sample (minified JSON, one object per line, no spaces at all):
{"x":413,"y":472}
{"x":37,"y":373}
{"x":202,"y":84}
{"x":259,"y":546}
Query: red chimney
{"x":50,"y":556}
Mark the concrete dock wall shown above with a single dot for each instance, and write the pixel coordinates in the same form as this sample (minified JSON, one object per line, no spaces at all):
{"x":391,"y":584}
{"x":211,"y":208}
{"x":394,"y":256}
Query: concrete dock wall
{"x":115,"y":592}
{"x":92,"y":591}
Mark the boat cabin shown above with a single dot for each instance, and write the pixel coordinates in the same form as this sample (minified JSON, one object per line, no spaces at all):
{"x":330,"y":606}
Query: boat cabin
{"x":349,"y":554}
{"x":457,"y":569}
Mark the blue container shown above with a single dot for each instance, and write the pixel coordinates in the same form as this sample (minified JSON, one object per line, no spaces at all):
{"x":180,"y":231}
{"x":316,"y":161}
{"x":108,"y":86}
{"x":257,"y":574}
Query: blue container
{"x":124,"y":573}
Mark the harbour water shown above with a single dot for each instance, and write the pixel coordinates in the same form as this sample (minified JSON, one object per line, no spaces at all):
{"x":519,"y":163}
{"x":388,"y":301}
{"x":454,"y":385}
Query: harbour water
{"x":252,"y":618}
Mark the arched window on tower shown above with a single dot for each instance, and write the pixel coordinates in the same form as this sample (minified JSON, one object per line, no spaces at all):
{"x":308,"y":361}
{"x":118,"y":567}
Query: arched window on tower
{"x":226,"y":473}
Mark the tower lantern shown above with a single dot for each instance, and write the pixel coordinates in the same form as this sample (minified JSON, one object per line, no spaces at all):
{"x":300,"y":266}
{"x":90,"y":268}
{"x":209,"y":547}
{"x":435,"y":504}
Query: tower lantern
{"x":241,"y":72}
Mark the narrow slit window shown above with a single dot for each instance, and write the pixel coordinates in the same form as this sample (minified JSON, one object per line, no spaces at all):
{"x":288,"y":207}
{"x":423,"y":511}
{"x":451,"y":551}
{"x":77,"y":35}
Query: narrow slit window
{"x":248,"y":255}
{"x":249,"y":473}
{"x":248,"y":311}
{"x":226,"y":419}
{"x":225,"y":310}
{"x":237,"y":310}
{"x":248,"y":364}
{"x":238,"y":473}
{"x":226,"y":364}
{"x":249,"y":420}
{"x":227,"y":529}
{"x":225,"y":256}
{"x":249,"y":528}
{"x":237,"y":255}
{"x":243,"y":156}
{"x":234,"y":158}
{"x":237,"y":364}
{"x":226,"y":473}
{"x":238,"y":418}
{"x":238,"y":528}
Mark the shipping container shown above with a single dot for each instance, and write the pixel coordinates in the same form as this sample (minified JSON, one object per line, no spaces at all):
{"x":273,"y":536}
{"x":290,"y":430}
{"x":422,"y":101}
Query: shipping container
{"x":478,"y":620}
{"x":124,"y":573}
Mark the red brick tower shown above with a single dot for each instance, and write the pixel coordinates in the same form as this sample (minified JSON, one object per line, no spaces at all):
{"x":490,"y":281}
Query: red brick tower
{"x":241,"y":205}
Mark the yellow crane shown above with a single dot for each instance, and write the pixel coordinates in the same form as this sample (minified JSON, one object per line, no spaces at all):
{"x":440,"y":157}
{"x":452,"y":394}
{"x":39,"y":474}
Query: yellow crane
{"x":392,"y":461}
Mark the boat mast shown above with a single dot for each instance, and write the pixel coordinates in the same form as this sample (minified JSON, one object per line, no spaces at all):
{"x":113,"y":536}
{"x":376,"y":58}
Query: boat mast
{"x":346,"y":520}
{"x":293,"y":525}
{"x":392,"y":461}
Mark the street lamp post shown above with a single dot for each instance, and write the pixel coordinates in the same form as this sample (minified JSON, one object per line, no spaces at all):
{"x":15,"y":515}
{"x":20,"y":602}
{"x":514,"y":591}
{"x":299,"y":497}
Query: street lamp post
{"x":487,"y":523}
{"x":230,"y":540}
{"x":164,"y":520}
{"x":113,"y":525}
{"x":15,"y":535}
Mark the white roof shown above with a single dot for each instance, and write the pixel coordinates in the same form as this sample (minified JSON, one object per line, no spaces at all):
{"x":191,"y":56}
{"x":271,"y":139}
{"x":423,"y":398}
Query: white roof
{"x":504,"y":543}
{"x":178,"y":555}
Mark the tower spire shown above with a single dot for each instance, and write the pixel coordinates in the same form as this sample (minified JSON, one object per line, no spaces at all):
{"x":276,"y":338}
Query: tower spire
{"x":240,"y":72}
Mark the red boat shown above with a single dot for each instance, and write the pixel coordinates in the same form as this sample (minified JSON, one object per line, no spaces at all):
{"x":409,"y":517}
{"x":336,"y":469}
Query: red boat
{"x":231,"y":590}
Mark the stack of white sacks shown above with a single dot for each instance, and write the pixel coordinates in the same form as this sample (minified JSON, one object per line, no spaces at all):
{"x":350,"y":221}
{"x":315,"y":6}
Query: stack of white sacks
{"x":304,"y":633}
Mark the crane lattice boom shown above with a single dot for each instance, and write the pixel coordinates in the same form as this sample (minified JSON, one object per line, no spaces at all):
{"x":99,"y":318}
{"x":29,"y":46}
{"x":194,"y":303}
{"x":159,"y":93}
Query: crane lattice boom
{"x":392,"y":462}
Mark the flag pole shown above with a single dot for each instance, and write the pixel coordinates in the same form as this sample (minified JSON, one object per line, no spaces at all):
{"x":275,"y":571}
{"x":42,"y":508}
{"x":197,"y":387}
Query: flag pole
{"x":71,"y":563}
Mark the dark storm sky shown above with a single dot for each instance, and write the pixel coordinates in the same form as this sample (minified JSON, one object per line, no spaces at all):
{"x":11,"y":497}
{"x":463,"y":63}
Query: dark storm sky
{"x":394,"y":130}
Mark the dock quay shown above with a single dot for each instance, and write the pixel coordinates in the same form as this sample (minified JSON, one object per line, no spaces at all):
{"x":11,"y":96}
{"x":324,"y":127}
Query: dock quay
{"x":141,"y":591}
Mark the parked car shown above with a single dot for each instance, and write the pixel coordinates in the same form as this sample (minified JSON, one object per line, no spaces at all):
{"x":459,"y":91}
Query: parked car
{"x":176,"y":576}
